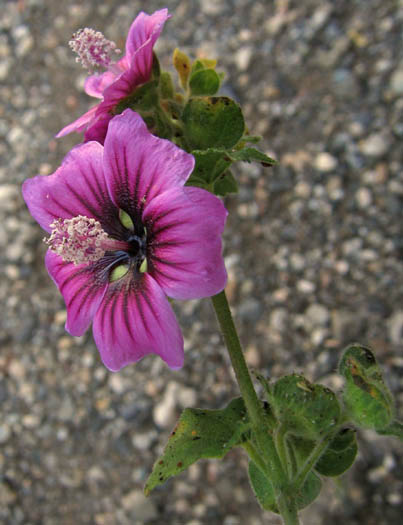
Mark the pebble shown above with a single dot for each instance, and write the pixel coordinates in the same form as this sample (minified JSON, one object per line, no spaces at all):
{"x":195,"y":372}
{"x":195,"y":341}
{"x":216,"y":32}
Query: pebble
{"x":363,"y":198}
{"x":5,"y":433}
{"x":317,"y":314}
{"x":143,"y":508}
{"x":395,"y":327}
{"x":376,"y":145}
{"x":278,"y":319}
{"x":325,"y":162}
{"x":305,"y":286}
{"x":243,"y":58}
{"x":8,"y":196}
{"x":164,"y":412}
{"x":250,"y":309}
{"x":396,"y":83}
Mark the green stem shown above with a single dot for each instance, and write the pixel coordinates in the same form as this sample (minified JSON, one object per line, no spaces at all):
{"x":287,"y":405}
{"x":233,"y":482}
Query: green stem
{"x":266,"y":446}
{"x":282,"y":449}
{"x":288,"y":510}
{"x":255,"y":456}
{"x":312,"y":459}
{"x":228,"y":329}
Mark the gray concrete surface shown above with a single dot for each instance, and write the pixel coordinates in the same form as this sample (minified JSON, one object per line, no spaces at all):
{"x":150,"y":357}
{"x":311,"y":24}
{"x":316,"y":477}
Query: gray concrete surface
{"x":313,"y":247}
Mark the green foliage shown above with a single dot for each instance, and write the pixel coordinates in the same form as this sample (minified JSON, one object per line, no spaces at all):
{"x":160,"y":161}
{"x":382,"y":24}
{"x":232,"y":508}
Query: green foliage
{"x":264,"y":493}
{"x":303,"y":408}
{"x":144,"y":97}
{"x":225,"y":184}
{"x":340,"y":454}
{"x":200,"y":434}
{"x":211,"y":168}
{"x":395,"y":428}
{"x":337,"y":457}
{"x":251,"y":154}
{"x":182,"y":65}
{"x":213,"y":122}
{"x":204,"y":82}
{"x":166,"y":86}
{"x":367,"y":399}
{"x":211,"y":172}
{"x":210,"y":164}
{"x":156,"y":68}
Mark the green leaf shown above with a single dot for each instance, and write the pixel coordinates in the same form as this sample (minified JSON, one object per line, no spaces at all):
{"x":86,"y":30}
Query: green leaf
{"x":262,"y":488}
{"x":251,"y":154}
{"x":340,"y":454}
{"x":204,"y":82}
{"x":182,"y":65}
{"x":213,"y":122}
{"x":367,"y":399}
{"x":305,"y":409}
{"x":197,"y":66}
{"x":225,"y":184}
{"x":156,"y":68}
{"x":264,"y":493}
{"x":393,"y":429}
{"x":166,"y":86}
{"x":200,"y":434}
{"x":209,"y":166}
{"x":251,"y":139}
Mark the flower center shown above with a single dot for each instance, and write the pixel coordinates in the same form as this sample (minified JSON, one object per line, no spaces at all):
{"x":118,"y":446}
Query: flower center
{"x":82,"y":240}
{"x":93,"y":49}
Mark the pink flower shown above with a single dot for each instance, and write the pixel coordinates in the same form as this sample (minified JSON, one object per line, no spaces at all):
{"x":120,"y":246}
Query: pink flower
{"x":121,"y":78}
{"x":126,"y":233}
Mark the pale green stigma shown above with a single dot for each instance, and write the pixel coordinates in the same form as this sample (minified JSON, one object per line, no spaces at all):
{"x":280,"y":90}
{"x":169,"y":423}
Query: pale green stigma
{"x":126,"y":220}
{"x":143,"y":266}
{"x":118,"y":272}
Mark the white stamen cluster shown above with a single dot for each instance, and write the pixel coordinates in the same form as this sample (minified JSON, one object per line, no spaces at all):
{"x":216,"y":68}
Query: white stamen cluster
{"x":92,"y":48}
{"x":78,"y":240}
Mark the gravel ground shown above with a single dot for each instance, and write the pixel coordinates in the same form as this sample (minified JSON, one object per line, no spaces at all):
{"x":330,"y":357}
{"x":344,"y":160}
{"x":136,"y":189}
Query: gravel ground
{"x":313,"y":247}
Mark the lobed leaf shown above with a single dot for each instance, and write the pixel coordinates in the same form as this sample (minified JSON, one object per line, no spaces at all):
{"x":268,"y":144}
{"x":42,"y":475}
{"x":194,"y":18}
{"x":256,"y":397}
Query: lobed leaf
{"x":204,"y":82}
{"x":305,"y":409}
{"x":339,"y":455}
{"x":250,"y":155}
{"x":183,"y":66}
{"x":213,"y":122}
{"x":200,"y":434}
{"x":366,"y":397}
{"x":264,"y":493}
{"x":225,"y":184}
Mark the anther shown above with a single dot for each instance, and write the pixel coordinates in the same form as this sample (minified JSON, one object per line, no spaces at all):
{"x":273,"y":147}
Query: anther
{"x":81,"y":240}
{"x":93,"y":49}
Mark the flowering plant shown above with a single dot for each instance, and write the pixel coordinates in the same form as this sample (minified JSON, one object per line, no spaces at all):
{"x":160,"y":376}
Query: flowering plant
{"x":134,"y":217}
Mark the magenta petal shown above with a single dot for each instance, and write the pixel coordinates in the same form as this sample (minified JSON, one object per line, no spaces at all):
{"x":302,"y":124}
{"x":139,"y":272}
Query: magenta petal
{"x":138,"y":166}
{"x":95,"y":85}
{"x":124,"y":85}
{"x":135,"y":319}
{"x":77,"y":188}
{"x":98,"y":128}
{"x":185,"y":242}
{"x":141,"y":38}
{"x":80,"y":124}
{"x":82,"y":292}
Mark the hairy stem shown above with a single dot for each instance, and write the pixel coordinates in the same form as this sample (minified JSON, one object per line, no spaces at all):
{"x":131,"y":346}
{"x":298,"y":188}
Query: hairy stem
{"x":267,"y":450}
